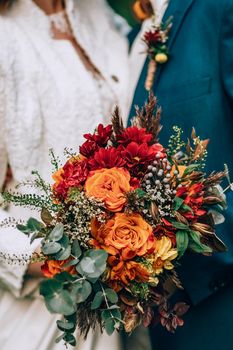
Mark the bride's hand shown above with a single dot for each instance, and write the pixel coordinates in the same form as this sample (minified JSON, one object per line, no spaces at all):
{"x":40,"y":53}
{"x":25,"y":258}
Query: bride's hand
{"x":34,"y":269}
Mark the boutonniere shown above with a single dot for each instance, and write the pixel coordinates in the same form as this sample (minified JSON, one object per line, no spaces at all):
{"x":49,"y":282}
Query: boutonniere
{"x":156,"y":41}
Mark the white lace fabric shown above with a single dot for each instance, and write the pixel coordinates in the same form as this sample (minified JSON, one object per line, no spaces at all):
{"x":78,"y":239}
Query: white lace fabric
{"x":49,"y":100}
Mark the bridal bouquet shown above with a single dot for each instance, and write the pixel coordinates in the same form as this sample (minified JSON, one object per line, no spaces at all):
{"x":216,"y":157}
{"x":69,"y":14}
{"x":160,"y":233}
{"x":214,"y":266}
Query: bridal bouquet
{"x":116,"y":222}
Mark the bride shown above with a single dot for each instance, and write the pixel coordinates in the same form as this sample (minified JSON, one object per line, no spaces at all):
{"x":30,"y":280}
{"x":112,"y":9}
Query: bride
{"x":63,"y":67}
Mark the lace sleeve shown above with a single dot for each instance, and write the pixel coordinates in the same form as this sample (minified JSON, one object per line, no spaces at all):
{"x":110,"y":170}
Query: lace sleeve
{"x":12,"y":242}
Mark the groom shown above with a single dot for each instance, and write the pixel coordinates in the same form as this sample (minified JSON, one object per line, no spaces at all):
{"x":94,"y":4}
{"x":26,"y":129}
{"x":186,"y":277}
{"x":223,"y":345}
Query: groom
{"x":195,"y":88}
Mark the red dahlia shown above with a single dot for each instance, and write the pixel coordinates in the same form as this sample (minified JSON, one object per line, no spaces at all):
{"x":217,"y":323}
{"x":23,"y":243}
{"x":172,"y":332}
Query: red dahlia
{"x":107,"y":158}
{"x":135,"y":154}
{"x":134,"y":134}
{"x":88,"y":149}
{"x":74,"y":174}
{"x":101,"y":135}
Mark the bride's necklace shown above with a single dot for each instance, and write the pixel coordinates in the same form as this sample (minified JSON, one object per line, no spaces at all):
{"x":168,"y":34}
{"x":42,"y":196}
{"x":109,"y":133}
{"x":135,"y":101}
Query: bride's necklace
{"x":60,"y":23}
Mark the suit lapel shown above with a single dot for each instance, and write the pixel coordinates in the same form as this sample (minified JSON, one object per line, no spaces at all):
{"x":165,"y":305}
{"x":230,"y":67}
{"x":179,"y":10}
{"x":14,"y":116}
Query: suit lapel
{"x":177,"y":9}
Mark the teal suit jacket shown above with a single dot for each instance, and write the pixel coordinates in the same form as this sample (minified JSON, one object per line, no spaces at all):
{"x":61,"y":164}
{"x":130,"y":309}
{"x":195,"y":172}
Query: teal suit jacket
{"x":195,"y":88}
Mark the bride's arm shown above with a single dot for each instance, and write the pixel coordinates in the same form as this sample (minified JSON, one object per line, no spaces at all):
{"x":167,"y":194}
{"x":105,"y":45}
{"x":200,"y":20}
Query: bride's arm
{"x":11,"y":240}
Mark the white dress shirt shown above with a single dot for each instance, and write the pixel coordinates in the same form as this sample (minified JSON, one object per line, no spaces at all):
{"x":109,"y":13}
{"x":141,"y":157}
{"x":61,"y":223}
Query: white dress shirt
{"x":138,"y":51}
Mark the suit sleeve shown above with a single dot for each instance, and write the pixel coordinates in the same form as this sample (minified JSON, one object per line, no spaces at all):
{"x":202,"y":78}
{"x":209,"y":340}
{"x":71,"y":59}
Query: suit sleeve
{"x":226,"y":50}
{"x":202,"y":276}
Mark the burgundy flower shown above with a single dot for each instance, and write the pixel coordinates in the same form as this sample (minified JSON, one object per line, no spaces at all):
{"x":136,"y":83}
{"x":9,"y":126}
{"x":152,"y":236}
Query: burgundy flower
{"x":135,"y":154}
{"x":153,"y":37}
{"x":107,"y":158}
{"x":88,"y":149}
{"x":101,"y":136}
{"x":73,"y":174}
{"x":134,"y":134}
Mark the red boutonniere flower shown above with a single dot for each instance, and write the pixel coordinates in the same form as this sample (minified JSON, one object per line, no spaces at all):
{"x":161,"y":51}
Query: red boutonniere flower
{"x":156,"y":41}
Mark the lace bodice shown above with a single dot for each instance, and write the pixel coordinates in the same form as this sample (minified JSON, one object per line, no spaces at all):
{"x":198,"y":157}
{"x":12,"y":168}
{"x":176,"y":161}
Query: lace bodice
{"x":49,"y":99}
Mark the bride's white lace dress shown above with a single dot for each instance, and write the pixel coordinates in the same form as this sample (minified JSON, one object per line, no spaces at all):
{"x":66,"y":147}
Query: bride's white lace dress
{"x":49,"y":100}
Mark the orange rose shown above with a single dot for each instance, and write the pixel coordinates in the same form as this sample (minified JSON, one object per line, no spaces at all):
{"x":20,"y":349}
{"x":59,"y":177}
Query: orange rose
{"x":128,"y":234}
{"x":123,"y":272}
{"x":110,"y":186}
{"x":53,"y":267}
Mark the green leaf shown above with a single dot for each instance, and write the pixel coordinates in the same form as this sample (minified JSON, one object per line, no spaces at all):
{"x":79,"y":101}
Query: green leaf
{"x":50,"y":287}
{"x":109,"y":326}
{"x":23,"y":229}
{"x":46,"y":217}
{"x":191,"y":168}
{"x":93,"y":264}
{"x":182,"y":241}
{"x":63,"y":254}
{"x":65,"y":325}
{"x":34,"y":225}
{"x":88,"y":265}
{"x":178,"y":203}
{"x":81,"y":291}
{"x":60,"y":303}
{"x":76,"y":250}
{"x":111,"y":295}
{"x":106,"y":315}
{"x":98,"y":299}
{"x":58,"y":339}
{"x":64,"y":277}
{"x":196,"y":245}
{"x":34,"y":236}
{"x":50,"y":248}
{"x":57,"y":233}
{"x":70,"y":339}
{"x":71,"y":263}
{"x":179,"y":225}
{"x":116,"y":313}
{"x":140,"y":193}
{"x":185,"y":208}
{"x":65,"y":249}
{"x":99,"y":256}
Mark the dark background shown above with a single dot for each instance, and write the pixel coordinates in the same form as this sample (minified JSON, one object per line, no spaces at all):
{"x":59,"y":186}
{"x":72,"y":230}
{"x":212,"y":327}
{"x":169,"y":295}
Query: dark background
{"x":124,"y":7}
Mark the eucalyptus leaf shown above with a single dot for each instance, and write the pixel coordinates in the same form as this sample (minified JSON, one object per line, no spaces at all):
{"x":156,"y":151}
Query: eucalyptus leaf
{"x":51,"y":248}
{"x":111,"y":295}
{"x":109,"y":326}
{"x":87,"y":265}
{"x":58,"y":339}
{"x":60,"y":303}
{"x":65,"y":249}
{"x":57,"y":233}
{"x":63,"y":254}
{"x":34,"y":225}
{"x":76,"y":250}
{"x":71,"y":263}
{"x":24,"y":229}
{"x":50,"y":287}
{"x":98,"y":299}
{"x":81,"y":291}
{"x":70,"y":339}
{"x":65,"y":325}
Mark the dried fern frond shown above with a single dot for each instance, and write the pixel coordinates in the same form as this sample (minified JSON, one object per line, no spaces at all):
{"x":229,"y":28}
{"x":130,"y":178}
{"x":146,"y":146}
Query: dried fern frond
{"x":149,"y":117}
